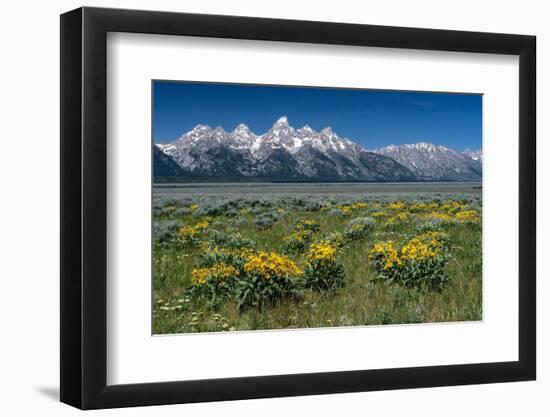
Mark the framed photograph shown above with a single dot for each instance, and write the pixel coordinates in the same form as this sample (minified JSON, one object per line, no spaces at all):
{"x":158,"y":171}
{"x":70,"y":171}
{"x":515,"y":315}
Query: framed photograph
{"x":258,"y":208}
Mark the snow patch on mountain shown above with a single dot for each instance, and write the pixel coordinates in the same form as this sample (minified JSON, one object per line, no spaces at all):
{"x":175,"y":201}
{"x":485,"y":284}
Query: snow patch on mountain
{"x":475,"y":154}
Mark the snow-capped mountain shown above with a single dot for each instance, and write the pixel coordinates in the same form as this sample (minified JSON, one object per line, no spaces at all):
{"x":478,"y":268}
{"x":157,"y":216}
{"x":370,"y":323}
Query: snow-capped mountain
{"x":431,"y":162}
{"x":281,"y":154}
{"x":474,"y":154}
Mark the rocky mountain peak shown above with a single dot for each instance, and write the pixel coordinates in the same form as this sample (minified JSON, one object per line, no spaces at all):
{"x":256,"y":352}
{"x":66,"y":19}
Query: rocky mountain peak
{"x":201,"y":128}
{"x":281,"y":126}
{"x":242,"y":128}
{"x":281,"y":121}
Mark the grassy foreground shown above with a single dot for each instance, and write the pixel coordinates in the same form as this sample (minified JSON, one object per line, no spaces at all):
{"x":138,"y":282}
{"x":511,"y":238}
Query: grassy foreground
{"x":187,"y":228}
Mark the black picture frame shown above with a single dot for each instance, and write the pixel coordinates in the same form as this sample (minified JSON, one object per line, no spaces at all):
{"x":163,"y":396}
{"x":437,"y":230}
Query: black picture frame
{"x":84,"y":207}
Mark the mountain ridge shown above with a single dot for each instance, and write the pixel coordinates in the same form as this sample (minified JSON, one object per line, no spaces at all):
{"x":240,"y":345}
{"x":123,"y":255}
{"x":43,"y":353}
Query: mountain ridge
{"x":282,"y":154}
{"x":434,"y":162}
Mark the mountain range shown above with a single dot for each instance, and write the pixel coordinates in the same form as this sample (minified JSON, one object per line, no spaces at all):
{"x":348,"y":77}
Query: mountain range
{"x":431,"y":162}
{"x":286,"y":154}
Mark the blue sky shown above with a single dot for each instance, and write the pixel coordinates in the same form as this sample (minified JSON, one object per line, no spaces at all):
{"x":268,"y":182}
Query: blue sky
{"x":373,"y":118}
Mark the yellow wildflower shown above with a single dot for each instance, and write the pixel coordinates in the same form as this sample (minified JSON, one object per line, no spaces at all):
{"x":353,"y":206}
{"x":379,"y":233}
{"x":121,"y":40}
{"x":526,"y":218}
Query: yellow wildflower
{"x":453,"y":206}
{"x":418,"y":207}
{"x":467,"y":216}
{"x":269,"y":265}
{"x":396,"y":205}
{"x":307,"y":225}
{"x":321,"y":252}
{"x":191,"y":233}
{"x":350,"y":207}
{"x":444,"y":217}
{"x":301,"y":236}
{"x":219,"y":272}
{"x":397,"y":218}
{"x":188,"y":232}
{"x":388,"y":252}
{"x":417,"y":250}
{"x":378,"y":214}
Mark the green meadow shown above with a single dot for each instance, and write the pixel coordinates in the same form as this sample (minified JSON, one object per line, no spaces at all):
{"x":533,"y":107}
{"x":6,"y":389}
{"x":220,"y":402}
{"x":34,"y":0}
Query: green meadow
{"x":235,"y":261}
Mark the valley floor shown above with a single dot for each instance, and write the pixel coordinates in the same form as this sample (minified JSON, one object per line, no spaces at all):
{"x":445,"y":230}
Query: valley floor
{"x":291,"y":256}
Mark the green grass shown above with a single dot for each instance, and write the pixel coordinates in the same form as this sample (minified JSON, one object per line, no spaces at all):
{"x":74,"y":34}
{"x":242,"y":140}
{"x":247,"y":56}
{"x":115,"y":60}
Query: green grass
{"x":362,"y":301}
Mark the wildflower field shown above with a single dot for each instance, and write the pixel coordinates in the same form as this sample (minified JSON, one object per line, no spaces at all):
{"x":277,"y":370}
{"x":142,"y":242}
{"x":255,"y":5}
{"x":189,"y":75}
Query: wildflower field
{"x":234,"y":262}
